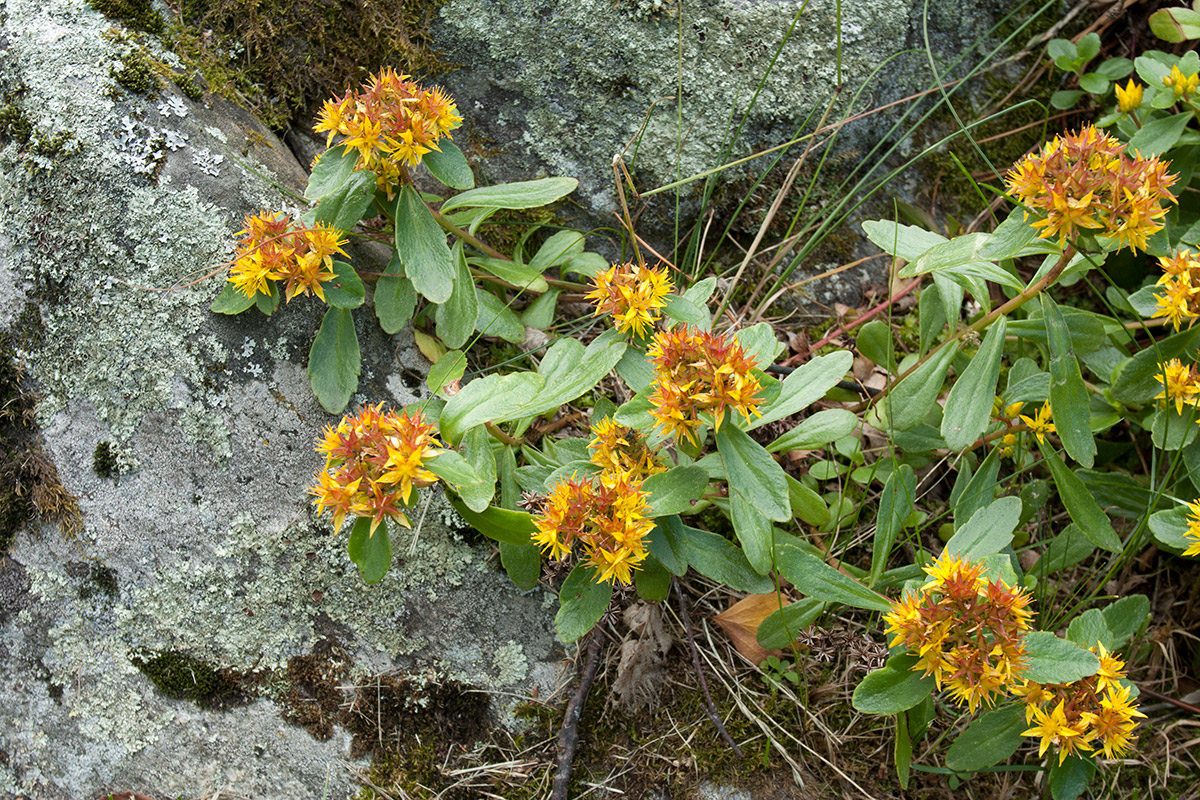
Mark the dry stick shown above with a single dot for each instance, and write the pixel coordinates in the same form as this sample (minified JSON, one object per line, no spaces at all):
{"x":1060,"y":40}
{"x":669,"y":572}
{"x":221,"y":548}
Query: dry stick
{"x":709,"y":708}
{"x":1172,"y":700}
{"x":568,"y":737}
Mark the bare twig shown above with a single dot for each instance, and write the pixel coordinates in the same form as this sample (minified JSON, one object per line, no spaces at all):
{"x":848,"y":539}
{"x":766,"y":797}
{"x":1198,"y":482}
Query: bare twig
{"x":709,"y":708}
{"x":568,"y":737}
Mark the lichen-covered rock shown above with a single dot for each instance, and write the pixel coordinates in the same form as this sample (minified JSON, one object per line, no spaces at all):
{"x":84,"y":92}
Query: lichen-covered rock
{"x":188,"y":439}
{"x":565,"y":86}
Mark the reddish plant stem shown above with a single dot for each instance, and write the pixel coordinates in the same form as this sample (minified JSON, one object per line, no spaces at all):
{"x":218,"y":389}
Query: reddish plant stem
{"x":849,"y":326}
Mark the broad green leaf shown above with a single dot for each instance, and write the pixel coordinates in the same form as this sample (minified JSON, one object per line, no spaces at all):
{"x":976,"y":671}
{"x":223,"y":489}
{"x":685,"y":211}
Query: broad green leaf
{"x":1090,"y":628}
{"x":1170,"y":430}
{"x":498,"y":320}
{"x":330,"y":171}
{"x":1136,"y":380}
{"x":230,"y":301}
{"x":491,"y":398}
{"x":807,"y":384}
{"x":816,"y":431}
{"x":894,"y":688}
{"x":1013,"y":237}
{"x":979,"y":491}
{"x":1066,"y":549}
{"x":1068,"y":396}
{"x":895,"y":504}
{"x":520,"y":275}
{"x":449,"y":368}
{"x":903,"y":241}
{"x":1087,"y":330}
{"x":1088,"y":47}
{"x":1169,"y":527}
{"x":523,"y":563}
{"x":582,"y":602}
{"x":753,"y":473}
{"x":1093,"y":83}
{"x":1157,"y":136}
{"x":449,"y":166}
{"x":586,"y":264}
{"x":457,"y":318}
{"x":343,"y":207}
{"x":754,"y":531}
{"x":1055,"y":660}
{"x":806,"y":504}
{"x":635,"y":369}
{"x":674,"y":491}
{"x":681,"y":309}
{"x":781,"y":627}
{"x":988,"y":531}
{"x":716,"y":557}
{"x":540,"y":313}
{"x":955,"y":252}
{"x":334,"y":361}
{"x":346,"y":290}
{"x":876,"y":343}
{"x":636,"y":413}
{"x":969,"y":404}
{"x":267,"y":303}
{"x":652,"y":581}
{"x":395,"y":298}
{"x":372,"y":552}
{"x":522,"y":194}
{"x":815,"y":578}
{"x":454,"y":470}
{"x":760,"y":344}
{"x":1175,"y":24}
{"x":1069,"y":779}
{"x":988,"y":740}
{"x":932,"y":314}
{"x":572,"y":378}
{"x":665,"y":542}
{"x":421,"y":245}
{"x":557,"y":249}
{"x":477,"y":452}
{"x":1126,"y":618}
{"x":1080,"y":503}
{"x":910,"y":402}
{"x":903,"y":750}
{"x":501,"y":524}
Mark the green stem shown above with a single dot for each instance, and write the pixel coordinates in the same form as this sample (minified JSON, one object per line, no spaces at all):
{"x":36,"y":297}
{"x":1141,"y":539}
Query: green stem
{"x":1012,"y":305}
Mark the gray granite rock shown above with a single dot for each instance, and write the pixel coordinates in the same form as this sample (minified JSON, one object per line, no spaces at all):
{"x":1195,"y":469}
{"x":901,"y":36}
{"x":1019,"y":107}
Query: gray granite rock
{"x":203,"y":543}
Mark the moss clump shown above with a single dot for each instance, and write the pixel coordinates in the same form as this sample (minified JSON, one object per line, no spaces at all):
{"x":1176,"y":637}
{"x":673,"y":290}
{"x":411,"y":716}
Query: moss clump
{"x":104,"y":460}
{"x":179,"y":675}
{"x":29,"y":482}
{"x":137,"y":14}
{"x":286,"y":56}
{"x":191,"y":84}
{"x":137,"y":72}
{"x":14,"y":124}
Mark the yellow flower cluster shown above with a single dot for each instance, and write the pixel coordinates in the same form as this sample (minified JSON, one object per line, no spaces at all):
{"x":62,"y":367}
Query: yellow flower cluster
{"x":605,"y":513}
{"x":1192,"y":534}
{"x":1182,"y":85}
{"x":1180,"y":282}
{"x":392,"y":122}
{"x":632,"y":294}
{"x":966,"y":631}
{"x":1076,"y":717}
{"x":1180,"y":384}
{"x":373,"y":459}
{"x":1040,"y":423}
{"x":274,"y":248}
{"x":1129,"y":98}
{"x":1085,"y":181}
{"x":699,"y":372}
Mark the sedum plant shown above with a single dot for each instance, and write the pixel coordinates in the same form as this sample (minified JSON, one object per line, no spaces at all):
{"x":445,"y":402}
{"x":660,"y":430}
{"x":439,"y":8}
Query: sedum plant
{"x":363,"y":187}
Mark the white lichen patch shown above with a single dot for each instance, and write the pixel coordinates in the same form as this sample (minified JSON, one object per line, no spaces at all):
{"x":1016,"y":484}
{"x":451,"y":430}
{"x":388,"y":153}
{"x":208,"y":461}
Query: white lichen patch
{"x":511,"y":664}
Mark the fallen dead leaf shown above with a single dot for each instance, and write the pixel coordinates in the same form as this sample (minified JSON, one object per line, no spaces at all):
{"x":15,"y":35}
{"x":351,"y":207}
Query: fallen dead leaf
{"x":741,"y":620}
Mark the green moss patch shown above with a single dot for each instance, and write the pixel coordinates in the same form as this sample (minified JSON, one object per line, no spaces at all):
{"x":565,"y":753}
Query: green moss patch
{"x":182,"y":676}
{"x":287,"y":56}
{"x":137,"y":14}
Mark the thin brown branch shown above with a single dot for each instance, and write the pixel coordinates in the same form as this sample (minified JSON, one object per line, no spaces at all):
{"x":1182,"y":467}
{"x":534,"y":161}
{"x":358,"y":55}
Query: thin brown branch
{"x":568,"y":737}
{"x":709,"y":707}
